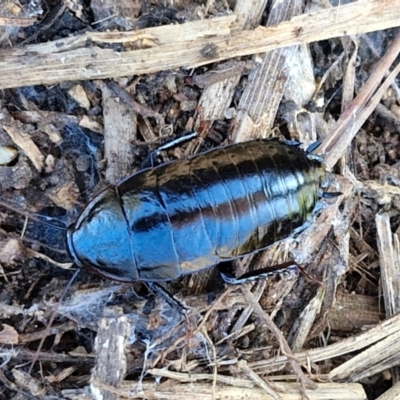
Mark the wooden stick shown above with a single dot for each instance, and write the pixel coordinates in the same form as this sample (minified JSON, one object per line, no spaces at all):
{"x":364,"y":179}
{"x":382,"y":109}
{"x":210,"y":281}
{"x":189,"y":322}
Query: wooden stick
{"x":185,"y":45}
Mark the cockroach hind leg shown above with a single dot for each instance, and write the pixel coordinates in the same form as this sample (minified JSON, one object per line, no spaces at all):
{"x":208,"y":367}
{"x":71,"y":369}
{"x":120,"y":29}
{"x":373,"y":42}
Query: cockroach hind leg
{"x":309,"y":276}
{"x":176,"y":141}
{"x":151,"y":159}
{"x":315,"y":157}
{"x":294,"y":143}
{"x":312,"y":147}
{"x":325,"y":199}
{"x":168,"y":297}
{"x":287,"y":270}
{"x":330,"y":195}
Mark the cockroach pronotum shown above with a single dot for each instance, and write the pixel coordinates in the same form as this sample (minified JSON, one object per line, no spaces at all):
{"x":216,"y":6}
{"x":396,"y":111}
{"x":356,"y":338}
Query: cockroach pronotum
{"x":188,"y":215}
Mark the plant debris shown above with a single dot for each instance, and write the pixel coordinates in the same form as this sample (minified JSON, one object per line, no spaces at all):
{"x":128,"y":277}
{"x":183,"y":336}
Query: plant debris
{"x":91,"y":90}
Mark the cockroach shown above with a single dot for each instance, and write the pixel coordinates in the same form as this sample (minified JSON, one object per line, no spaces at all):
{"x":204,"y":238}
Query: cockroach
{"x":187,"y":215}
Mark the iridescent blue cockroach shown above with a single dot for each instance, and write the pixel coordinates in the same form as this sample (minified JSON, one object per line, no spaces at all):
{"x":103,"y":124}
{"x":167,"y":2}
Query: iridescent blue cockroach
{"x":187,"y":215}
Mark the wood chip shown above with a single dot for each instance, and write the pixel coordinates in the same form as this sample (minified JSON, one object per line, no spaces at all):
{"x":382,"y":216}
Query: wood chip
{"x":389,"y":256}
{"x":8,"y":335}
{"x":24,"y":141}
{"x":110,"y":365}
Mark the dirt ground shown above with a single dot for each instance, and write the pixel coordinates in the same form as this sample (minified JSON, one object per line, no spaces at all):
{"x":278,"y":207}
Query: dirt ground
{"x":90,"y":93}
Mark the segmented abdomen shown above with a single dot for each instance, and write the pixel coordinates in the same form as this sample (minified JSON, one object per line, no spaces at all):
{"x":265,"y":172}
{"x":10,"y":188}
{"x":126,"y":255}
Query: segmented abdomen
{"x":192,"y":214}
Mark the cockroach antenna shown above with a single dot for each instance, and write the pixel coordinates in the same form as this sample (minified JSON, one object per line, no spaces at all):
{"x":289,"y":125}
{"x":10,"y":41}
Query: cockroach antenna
{"x":31,"y":216}
{"x":51,"y":320}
